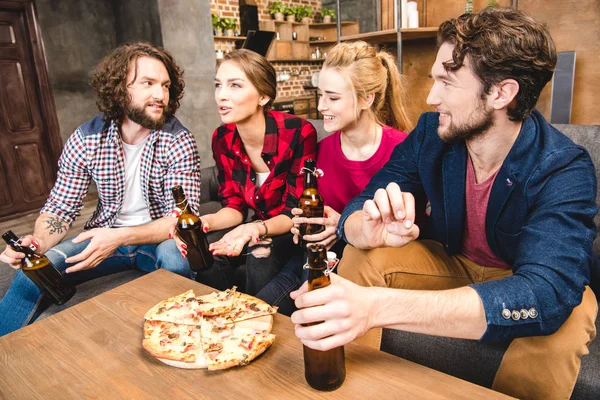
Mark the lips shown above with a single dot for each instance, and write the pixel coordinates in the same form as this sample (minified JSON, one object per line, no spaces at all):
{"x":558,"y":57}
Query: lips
{"x":328,"y":118}
{"x":223,"y":110}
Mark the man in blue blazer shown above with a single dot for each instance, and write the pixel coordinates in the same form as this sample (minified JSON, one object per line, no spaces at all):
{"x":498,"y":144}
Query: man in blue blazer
{"x":481,"y":224}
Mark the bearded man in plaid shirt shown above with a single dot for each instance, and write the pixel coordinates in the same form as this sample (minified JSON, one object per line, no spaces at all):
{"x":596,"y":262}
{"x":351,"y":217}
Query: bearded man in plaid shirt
{"x":135,"y":151}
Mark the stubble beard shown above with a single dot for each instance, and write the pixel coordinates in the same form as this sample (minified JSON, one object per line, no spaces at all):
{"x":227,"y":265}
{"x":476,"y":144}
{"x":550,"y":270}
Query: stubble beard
{"x":479,"y":122}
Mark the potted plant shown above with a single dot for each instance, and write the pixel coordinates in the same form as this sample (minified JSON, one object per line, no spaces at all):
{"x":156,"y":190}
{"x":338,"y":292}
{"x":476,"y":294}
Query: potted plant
{"x":276,"y":9}
{"x":303,"y":14}
{"x":216,"y":24}
{"x":469,"y":7}
{"x":290,"y":13}
{"x":228,"y":25}
{"x":327,"y":14}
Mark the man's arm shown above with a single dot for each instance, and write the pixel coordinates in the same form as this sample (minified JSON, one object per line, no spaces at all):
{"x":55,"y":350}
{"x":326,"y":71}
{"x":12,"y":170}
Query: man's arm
{"x":349,"y":311}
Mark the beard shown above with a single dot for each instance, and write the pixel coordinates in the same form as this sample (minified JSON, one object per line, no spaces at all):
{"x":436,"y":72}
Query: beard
{"x":478,"y":123}
{"x":139,"y":116}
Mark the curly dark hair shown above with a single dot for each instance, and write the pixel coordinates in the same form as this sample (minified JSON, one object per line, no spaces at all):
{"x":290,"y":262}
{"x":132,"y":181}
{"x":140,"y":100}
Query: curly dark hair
{"x":110,"y":79}
{"x":503,"y":44}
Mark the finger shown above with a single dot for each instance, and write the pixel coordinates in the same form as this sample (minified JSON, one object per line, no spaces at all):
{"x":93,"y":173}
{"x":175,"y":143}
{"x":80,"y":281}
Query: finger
{"x":326,"y":242}
{"x":383,"y":205}
{"x":318,"y":221}
{"x":205,"y":226}
{"x":81,"y":256}
{"x":409,"y":208}
{"x":85,"y":235}
{"x":316,"y":297}
{"x":303,"y":289}
{"x":370,"y":211}
{"x":297,"y":211}
{"x":329,"y":343}
{"x":299,"y":220}
{"x":89,"y":262}
{"x":320,"y":236}
{"x":321,"y":330}
{"x":396,"y":201}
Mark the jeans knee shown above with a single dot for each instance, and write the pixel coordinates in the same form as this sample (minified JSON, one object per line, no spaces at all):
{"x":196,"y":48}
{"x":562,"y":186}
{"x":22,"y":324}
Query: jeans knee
{"x":168,"y":257}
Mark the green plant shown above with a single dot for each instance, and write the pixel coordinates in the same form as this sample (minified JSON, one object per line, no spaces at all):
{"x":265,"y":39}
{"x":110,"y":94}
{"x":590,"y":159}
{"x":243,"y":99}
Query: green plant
{"x":492,"y":3}
{"x":303,"y":12}
{"x":469,"y":7}
{"x":290,"y":10}
{"x":276,"y":7}
{"x":327,"y":11}
{"x":216,"y":21}
{"x":228,"y":23}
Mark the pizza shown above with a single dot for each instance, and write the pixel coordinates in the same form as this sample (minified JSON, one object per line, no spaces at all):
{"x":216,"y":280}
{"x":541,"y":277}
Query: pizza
{"x":215,"y":331}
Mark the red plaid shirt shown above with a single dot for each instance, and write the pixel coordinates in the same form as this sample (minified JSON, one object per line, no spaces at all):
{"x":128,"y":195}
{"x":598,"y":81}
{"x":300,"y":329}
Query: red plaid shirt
{"x":288,"y":142}
{"x":94,"y":151}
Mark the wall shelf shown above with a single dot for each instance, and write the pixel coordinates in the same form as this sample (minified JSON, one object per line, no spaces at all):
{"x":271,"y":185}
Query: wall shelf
{"x":391,"y":35}
{"x":230,"y":37}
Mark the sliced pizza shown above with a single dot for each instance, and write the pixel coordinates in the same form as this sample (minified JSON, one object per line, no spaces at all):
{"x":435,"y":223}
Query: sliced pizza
{"x":216,"y":303}
{"x":172,"y":341}
{"x":181,"y":309}
{"x":227,"y":346}
{"x":247,"y":307}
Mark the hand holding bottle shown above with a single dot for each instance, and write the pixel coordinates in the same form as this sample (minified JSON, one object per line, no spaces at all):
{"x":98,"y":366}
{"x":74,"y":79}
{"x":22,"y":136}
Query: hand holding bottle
{"x":14,"y":258}
{"x":327,"y":237}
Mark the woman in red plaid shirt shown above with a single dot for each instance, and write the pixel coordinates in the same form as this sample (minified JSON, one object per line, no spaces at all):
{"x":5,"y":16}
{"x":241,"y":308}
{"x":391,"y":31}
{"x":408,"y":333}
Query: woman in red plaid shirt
{"x":258,"y":154}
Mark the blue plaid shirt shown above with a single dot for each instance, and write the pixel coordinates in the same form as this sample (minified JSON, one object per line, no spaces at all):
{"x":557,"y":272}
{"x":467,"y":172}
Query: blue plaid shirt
{"x":95,"y":151}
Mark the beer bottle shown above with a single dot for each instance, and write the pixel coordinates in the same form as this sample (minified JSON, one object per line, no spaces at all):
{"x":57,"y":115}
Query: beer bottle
{"x":41,"y":271}
{"x":323,"y":370}
{"x":311,"y":202}
{"x":189,"y":228}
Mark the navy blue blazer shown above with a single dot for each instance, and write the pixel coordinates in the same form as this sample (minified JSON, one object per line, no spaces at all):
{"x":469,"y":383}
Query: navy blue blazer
{"x":539,"y":218}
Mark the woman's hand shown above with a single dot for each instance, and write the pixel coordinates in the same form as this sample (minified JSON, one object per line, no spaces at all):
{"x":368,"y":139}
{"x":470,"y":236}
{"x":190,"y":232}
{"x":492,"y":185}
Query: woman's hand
{"x":206,"y":223}
{"x":330,"y":221}
{"x":234,"y":241}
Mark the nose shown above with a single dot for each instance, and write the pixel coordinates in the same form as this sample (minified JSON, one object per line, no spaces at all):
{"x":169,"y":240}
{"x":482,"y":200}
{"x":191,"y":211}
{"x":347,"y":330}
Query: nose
{"x":433,"y":98}
{"x":158,"y":93}
{"x":221,"y":93}
{"x":321,"y":106}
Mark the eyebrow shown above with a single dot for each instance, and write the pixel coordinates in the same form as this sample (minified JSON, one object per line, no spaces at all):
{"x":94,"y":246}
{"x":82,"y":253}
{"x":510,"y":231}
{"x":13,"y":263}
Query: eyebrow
{"x":148,"y":78}
{"x":447,"y":76}
{"x":230,"y":80}
{"x":328,"y":92}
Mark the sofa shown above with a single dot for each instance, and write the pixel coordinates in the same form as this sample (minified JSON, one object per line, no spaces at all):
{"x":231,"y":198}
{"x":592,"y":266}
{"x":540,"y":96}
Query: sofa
{"x":466,"y":359}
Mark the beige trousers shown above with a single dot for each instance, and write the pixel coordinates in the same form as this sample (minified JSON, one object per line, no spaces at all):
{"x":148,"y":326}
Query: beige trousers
{"x":540,"y":367}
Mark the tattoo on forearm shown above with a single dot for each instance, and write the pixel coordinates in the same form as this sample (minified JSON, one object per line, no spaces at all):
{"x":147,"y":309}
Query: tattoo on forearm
{"x":55,"y":225}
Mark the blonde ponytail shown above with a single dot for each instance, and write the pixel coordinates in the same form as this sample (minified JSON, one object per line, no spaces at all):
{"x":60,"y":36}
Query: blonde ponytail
{"x":395,"y":95}
{"x":369,"y":71}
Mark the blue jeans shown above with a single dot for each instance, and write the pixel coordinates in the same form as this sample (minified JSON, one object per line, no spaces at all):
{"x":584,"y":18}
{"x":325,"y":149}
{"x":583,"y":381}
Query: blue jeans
{"x":22,"y":303}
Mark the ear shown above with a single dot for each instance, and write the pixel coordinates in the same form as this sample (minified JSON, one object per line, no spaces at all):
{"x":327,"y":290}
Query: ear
{"x":504,"y":93}
{"x":263,"y":101}
{"x":368,"y":102}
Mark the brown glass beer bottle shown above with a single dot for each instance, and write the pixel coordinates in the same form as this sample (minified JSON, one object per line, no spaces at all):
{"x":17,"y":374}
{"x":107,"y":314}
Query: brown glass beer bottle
{"x":41,"y":271}
{"x":189,"y":228}
{"x":311,"y":202}
{"x":323,"y":370}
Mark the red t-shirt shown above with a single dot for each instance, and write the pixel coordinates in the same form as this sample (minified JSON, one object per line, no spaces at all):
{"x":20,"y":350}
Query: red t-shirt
{"x":475,"y":246}
{"x":344,"y":179}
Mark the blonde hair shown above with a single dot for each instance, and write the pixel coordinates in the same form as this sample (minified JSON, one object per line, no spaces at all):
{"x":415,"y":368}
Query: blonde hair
{"x":370,"y":71}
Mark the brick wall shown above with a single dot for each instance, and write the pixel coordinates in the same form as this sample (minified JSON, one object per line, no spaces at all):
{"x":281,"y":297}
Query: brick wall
{"x":294,"y":86}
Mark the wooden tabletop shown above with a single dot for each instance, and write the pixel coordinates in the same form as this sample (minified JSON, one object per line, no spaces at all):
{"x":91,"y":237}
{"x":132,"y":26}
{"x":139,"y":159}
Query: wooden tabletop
{"x":93,"y":350}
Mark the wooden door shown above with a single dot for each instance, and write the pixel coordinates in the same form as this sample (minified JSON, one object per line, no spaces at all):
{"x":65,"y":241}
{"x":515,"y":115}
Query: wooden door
{"x":29,"y":138}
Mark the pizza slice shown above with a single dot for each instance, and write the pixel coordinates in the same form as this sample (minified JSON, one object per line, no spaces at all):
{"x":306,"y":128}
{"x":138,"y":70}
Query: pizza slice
{"x":247,"y":307}
{"x":180,"y":309}
{"x":172,"y":341}
{"x":227,"y":346}
{"x":216,"y":303}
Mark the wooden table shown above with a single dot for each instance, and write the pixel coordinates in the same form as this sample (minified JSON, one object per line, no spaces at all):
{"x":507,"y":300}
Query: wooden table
{"x":93,"y":350}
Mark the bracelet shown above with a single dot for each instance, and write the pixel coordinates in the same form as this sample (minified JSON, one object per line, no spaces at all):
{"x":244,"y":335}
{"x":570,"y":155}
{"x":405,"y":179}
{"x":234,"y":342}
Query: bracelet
{"x":260,"y":221}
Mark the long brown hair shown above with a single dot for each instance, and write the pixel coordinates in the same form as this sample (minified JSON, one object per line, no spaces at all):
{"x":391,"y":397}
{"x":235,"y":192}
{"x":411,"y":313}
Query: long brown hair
{"x":371,"y":71}
{"x":503,"y":44}
{"x":259,"y":71}
{"x":110,"y":79}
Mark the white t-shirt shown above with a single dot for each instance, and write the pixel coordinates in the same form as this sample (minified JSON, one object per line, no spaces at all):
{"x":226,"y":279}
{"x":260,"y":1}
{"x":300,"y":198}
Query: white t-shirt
{"x":261,"y":177}
{"x":135,"y":211}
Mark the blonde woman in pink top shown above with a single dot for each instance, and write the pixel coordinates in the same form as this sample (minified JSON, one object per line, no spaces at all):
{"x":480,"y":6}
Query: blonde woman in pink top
{"x":362,"y":102}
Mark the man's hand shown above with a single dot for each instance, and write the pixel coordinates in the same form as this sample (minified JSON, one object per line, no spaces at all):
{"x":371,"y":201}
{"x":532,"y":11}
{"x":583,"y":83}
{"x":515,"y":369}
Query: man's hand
{"x":103,"y":242}
{"x":341,"y":310}
{"x":330,"y":221}
{"x":234,"y":241}
{"x":388,"y":219}
{"x":13,"y":258}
